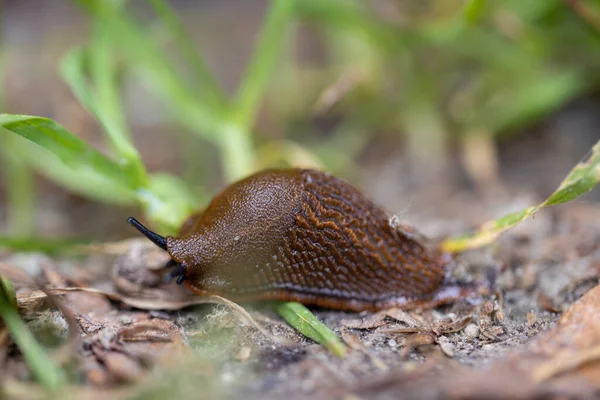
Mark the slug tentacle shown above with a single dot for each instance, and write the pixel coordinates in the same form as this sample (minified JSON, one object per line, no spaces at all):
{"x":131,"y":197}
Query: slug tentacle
{"x":155,"y":238}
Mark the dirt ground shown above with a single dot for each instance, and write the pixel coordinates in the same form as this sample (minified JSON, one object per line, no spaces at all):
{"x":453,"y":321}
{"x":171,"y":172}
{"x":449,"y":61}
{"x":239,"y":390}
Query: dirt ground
{"x":533,"y":333}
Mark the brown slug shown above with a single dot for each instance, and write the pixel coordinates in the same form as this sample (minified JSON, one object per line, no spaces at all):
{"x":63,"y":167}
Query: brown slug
{"x":307,"y":236}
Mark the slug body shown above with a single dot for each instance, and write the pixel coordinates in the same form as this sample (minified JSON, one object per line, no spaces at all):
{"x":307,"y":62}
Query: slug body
{"x":303,"y":235}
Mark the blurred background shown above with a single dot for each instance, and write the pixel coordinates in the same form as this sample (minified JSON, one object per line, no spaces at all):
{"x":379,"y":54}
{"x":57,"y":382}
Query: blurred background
{"x":440,"y":110}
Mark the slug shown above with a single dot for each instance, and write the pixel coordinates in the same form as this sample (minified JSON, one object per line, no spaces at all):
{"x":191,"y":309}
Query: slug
{"x":307,"y":236}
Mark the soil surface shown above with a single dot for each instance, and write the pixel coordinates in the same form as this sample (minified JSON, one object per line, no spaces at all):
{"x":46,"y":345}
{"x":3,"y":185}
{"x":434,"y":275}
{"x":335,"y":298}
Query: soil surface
{"x":533,"y":332}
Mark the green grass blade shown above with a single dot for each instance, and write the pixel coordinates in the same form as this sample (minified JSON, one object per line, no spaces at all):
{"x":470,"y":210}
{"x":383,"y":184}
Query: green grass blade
{"x":262,"y":62}
{"x":144,"y":55}
{"x":110,"y":107}
{"x":207,"y":87}
{"x":305,"y":322}
{"x":356,"y":17}
{"x":8,"y":291}
{"x":582,"y":178}
{"x":69,"y":148}
{"x":86,"y":182}
{"x":83,"y":169}
{"x":100,"y":95}
{"x":72,"y":69}
{"x":43,"y":245}
{"x":208,"y":120}
{"x":44,"y":370}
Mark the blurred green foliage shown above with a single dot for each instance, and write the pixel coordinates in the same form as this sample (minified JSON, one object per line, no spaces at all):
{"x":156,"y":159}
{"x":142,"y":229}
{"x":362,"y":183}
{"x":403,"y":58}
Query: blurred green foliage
{"x":42,"y":367}
{"x":424,"y":69}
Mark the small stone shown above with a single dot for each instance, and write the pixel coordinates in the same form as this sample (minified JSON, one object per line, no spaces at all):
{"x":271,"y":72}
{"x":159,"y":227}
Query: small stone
{"x":392,"y":343}
{"x":489,"y":347}
{"x":531,"y":318}
{"x":472,"y":330}
{"x":243,"y":354}
{"x":445,"y":345}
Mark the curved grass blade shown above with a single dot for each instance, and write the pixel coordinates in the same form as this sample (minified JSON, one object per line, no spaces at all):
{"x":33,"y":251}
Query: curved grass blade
{"x":69,"y":148}
{"x":99,"y":93}
{"x":267,"y":50}
{"x":48,"y":374}
{"x":305,"y":322}
{"x":205,"y":84}
{"x":208,"y":119}
{"x":582,"y":178}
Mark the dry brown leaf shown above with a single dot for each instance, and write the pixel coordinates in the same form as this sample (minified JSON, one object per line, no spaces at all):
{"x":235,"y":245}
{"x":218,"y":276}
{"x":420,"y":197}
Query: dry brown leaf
{"x":162,"y":304}
{"x":547,"y":303}
{"x":13,"y":389}
{"x":444,"y":327}
{"x":122,"y":367}
{"x":155,"y":330}
{"x":564,"y":362}
{"x":417,"y":340}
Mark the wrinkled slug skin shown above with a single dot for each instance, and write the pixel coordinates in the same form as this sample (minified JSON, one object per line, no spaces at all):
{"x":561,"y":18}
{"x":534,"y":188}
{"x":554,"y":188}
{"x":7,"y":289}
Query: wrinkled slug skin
{"x":303,"y":235}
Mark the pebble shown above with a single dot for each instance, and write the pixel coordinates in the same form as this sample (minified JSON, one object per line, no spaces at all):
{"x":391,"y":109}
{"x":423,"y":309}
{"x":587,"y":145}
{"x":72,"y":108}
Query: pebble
{"x":472,"y":330}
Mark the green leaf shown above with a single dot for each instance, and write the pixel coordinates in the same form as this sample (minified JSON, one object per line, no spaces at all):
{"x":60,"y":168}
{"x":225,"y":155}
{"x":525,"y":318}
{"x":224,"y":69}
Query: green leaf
{"x":69,"y":148}
{"x":89,"y":182}
{"x":582,"y":178}
{"x":44,"y":370}
{"x":305,"y":322}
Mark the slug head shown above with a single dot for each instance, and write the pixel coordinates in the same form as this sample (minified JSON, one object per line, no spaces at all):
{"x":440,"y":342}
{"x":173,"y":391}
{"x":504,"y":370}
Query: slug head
{"x":240,"y":230}
{"x":179,"y":270}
